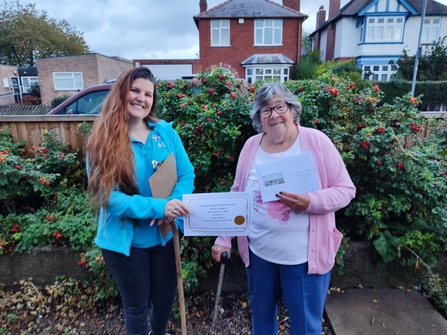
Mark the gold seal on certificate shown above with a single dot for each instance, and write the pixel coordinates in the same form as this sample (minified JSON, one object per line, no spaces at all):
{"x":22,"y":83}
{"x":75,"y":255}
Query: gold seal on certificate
{"x":218,"y":214}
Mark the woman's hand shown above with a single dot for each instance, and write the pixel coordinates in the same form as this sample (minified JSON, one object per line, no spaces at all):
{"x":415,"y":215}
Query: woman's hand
{"x":175,"y":208}
{"x":296,"y":202}
{"x":217,"y":250}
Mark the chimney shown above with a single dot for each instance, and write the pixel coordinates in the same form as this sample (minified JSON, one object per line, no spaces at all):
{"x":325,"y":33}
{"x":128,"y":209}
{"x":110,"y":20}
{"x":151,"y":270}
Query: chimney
{"x":321,"y":16}
{"x":203,"y":6}
{"x":334,"y":8}
{"x":292,"y":4}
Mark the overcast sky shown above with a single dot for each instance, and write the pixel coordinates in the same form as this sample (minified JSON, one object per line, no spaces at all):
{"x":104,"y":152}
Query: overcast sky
{"x":146,"y":29}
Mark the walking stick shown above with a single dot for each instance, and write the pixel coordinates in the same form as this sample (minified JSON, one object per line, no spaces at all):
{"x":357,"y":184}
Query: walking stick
{"x":178,"y":264}
{"x":223,"y":260}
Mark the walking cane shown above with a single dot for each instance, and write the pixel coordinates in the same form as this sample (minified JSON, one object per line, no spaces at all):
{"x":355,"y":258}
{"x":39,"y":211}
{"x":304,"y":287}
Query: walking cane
{"x":223,"y":260}
{"x":178,"y":264}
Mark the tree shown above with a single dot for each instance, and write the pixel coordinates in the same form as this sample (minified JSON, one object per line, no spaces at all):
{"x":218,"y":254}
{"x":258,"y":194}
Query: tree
{"x":27,"y":34}
{"x":432,"y":65}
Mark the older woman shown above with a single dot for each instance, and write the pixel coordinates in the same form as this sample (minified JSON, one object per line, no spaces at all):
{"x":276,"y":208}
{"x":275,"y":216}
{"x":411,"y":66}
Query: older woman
{"x":292,"y":245}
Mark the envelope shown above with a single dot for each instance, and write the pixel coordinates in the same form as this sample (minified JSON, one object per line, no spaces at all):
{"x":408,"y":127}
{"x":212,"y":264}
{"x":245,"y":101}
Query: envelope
{"x":162,"y":182}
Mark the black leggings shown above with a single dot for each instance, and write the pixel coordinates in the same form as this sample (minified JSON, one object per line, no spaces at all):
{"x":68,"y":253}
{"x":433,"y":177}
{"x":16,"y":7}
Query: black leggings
{"x":147,"y":275}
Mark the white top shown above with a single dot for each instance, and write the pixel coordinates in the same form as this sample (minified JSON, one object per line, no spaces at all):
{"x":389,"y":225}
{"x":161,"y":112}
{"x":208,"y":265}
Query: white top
{"x":278,"y":235}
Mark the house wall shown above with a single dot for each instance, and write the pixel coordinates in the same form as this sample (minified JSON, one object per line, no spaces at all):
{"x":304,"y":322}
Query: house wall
{"x":95,"y":69}
{"x":323,"y":44}
{"x":6,"y":72}
{"x":242,"y":45}
{"x":349,"y":37}
{"x":170,"y":64}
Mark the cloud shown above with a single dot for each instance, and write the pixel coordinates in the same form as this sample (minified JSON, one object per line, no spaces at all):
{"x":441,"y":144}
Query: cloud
{"x":139,"y":29}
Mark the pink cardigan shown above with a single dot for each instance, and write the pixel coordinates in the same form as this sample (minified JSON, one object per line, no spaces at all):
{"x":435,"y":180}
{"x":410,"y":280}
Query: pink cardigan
{"x":337,"y":190}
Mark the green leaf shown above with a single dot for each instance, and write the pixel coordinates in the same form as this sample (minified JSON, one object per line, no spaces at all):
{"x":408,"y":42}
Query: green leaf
{"x":387,"y":246}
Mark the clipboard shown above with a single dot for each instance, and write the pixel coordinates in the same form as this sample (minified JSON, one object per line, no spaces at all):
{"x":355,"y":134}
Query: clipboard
{"x":162,"y":183}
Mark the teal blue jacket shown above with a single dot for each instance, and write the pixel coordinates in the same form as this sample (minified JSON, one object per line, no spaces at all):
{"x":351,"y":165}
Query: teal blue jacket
{"x":116,"y":229}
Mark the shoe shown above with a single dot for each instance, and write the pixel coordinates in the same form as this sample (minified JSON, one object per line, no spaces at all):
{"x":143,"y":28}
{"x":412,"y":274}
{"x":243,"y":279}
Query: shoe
{"x":150,"y":333}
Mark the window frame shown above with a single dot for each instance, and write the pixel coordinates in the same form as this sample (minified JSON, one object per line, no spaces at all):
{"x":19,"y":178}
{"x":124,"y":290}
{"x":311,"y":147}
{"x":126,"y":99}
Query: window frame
{"x":383,"y":29}
{"x":376,"y":71}
{"x":255,"y":73}
{"x":220,"y":31}
{"x":76,"y":79}
{"x":262,"y":32}
{"x":428,"y":27}
{"x":30,"y":81}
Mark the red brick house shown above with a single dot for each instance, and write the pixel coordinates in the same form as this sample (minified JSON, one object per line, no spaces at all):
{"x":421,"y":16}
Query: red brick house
{"x":254,"y":39}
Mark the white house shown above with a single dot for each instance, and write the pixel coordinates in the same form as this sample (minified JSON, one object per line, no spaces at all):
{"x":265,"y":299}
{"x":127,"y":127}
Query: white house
{"x":375,"y":32}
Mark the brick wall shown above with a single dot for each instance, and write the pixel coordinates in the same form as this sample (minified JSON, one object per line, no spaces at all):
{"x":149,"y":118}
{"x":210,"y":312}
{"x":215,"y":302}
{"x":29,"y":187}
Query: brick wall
{"x":95,"y":69}
{"x":6,"y":72}
{"x":242,"y":44}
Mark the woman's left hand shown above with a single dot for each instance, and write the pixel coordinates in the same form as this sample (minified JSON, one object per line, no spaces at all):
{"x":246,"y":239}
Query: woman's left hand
{"x":296,"y":202}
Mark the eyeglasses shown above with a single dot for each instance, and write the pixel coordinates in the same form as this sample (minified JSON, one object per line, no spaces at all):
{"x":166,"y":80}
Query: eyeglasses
{"x":265,"y":112}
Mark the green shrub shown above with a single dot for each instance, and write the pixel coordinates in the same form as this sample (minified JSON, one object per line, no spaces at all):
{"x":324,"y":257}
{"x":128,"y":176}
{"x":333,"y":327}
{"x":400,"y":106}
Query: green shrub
{"x":58,"y":100}
{"x":399,"y":190}
{"x":432,"y":92}
{"x":308,"y":66}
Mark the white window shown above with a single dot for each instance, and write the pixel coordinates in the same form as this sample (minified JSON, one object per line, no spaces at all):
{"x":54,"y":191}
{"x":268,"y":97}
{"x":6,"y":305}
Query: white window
{"x":27,"y":82}
{"x":68,"y":81}
{"x":278,"y":74}
{"x":430,"y":29}
{"x":379,"y":72}
{"x":220,"y":32}
{"x":362,"y":28}
{"x":268,"y":32}
{"x":384,"y":29}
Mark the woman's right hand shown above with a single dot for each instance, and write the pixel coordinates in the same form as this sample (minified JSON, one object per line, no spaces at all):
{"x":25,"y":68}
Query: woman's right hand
{"x":175,"y":208}
{"x":217,"y":250}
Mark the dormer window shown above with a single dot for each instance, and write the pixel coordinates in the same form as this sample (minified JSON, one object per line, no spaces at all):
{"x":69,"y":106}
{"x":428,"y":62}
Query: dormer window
{"x":268,"y":32}
{"x":220,"y":33}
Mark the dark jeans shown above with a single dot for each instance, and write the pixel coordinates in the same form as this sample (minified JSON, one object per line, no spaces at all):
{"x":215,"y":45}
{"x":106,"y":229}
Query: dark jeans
{"x":147,"y":275}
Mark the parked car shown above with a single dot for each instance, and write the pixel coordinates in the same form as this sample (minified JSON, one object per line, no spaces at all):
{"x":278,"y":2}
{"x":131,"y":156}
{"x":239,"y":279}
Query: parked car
{"x":87,"y":101}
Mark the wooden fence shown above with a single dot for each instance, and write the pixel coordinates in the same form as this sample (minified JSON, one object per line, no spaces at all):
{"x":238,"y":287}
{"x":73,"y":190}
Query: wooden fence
{"x":30,"y":128}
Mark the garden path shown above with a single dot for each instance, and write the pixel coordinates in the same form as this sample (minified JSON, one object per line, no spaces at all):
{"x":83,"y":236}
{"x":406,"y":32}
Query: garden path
{"x":383,"y":312}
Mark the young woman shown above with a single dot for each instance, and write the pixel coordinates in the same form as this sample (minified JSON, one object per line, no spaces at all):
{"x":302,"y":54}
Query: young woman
{"x":127,"y":145}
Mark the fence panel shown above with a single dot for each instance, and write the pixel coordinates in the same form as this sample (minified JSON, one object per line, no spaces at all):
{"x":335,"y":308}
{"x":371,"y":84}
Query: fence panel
{"x":30,"y":128}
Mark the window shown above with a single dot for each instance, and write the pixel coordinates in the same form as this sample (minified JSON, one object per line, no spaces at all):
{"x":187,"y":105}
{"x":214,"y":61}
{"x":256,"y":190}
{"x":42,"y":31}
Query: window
{"x":27,"y":82}
{"x":362,"y":27}
{"x":278,"y":74}
{"x":430,"y":29}
{"x":379,"y":72}
{"x":68,"y":81}
{"x":384,"y":29}
{"x":220,"y":32}
{"x":268,"y":32}
{"x":90,"y":103}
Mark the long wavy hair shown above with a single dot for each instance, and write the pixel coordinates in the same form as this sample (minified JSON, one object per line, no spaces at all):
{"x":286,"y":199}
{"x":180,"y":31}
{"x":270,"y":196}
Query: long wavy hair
{"x":109,"y":152}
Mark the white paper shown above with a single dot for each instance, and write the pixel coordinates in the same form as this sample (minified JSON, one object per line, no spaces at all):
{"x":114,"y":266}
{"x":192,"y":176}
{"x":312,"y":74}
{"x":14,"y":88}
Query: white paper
{"x":218,"y":214}
{"x":295,"y":174}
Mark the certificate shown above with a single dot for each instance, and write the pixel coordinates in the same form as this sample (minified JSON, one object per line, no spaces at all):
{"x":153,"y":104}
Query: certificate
{"x":218,"y":214}
{"x":296,"y":174}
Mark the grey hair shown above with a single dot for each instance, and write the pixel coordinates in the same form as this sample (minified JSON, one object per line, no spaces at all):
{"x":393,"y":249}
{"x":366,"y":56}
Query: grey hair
{"x":263,"y":96}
